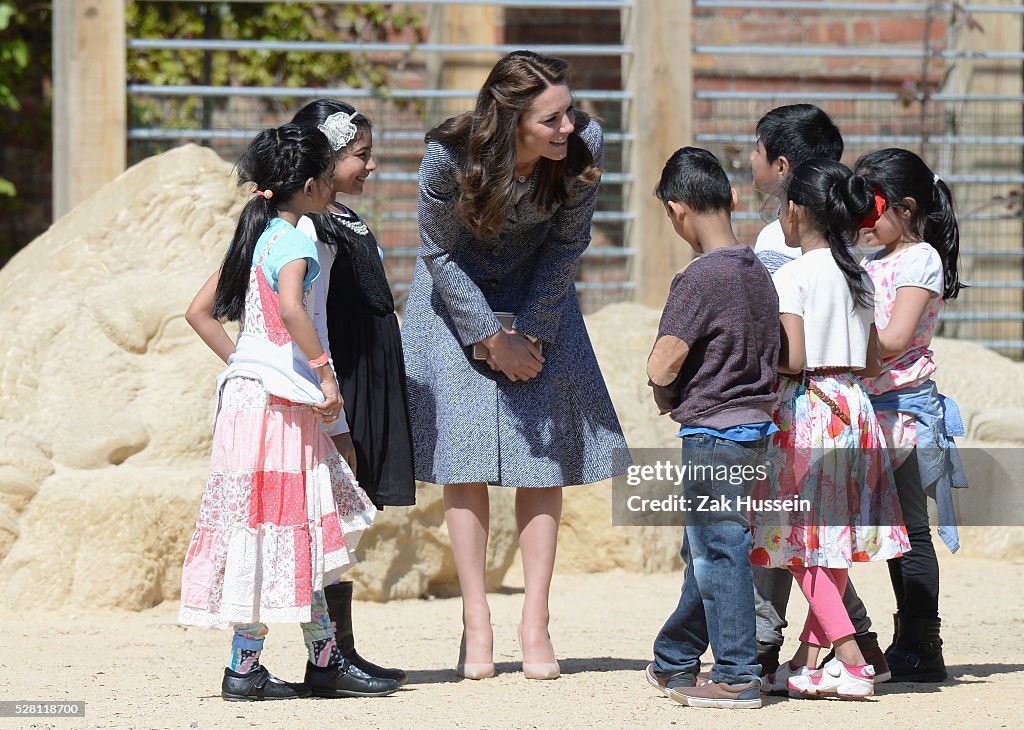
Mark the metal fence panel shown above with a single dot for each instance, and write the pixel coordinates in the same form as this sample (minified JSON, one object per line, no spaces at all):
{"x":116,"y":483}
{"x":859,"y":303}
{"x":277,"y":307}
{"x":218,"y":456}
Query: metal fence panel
{"x":971,"y":134}
{"x":225,"y":118}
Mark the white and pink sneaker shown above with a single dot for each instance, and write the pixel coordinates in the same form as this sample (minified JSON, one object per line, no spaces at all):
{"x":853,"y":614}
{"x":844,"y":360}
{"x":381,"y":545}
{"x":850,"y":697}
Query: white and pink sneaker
{"x":777,"y":683}
{"x":835,"y":678}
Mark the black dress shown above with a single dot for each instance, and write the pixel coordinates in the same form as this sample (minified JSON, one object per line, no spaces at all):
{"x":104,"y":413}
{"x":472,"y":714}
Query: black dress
{"x":366,"y":348}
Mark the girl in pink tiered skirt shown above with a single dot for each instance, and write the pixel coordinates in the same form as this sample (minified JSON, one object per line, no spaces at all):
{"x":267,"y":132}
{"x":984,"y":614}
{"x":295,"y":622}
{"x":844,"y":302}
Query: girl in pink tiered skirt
{"x":279,"y":518}
{"x":281,"y":513}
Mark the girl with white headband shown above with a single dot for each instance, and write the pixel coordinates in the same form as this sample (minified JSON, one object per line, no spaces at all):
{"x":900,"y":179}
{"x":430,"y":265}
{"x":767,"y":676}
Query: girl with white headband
{"x":355,"y":315}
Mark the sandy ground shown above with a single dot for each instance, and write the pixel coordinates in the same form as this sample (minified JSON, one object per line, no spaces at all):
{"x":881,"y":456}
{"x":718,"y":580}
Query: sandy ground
{"x":141,"y":670}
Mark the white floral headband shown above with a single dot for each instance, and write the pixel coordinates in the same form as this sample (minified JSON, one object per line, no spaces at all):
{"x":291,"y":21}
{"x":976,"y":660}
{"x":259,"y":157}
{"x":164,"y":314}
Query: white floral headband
{"x":339,"y":129}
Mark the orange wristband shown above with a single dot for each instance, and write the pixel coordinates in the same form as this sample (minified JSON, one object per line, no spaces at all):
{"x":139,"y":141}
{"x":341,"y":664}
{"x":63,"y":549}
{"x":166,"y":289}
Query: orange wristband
{"x":320,"y":361}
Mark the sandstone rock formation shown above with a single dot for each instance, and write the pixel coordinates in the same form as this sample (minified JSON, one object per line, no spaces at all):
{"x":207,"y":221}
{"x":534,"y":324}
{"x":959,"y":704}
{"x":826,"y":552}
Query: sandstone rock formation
{"x":104,"y":398}
{"x":106,"y":405}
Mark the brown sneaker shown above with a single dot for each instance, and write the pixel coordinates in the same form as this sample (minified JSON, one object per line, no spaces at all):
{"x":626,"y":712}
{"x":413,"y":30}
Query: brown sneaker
{"x":746,"y":696}
{"x":873,"y":655}
{"x":664,"y":682}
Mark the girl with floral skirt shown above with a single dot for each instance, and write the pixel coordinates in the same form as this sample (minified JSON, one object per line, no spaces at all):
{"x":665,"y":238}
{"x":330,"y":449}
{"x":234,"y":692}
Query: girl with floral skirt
{"x":832,"y":455}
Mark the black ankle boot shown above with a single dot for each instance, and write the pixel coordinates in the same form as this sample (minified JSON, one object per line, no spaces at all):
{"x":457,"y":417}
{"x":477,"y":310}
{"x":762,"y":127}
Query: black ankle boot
{"x":916,"y":655}
{"x":346,"y":680}
{"x":895,"y":632}
{"x":768,"y":657}
{"x":339,"y":606}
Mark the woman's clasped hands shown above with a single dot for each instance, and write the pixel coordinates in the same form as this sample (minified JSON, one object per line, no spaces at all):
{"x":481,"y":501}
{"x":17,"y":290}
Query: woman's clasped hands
{"x":513,"y":354}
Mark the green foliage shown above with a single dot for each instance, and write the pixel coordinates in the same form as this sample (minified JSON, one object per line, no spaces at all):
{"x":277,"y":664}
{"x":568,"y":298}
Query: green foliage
{"x":25,"y":127}
{"x":14,"y":57}
{"x":255,"y":21}
{"x":13,"y":60}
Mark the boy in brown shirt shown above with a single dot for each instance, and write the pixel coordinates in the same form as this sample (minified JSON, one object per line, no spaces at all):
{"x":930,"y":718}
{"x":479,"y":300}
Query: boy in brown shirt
{"x":713,"y":368}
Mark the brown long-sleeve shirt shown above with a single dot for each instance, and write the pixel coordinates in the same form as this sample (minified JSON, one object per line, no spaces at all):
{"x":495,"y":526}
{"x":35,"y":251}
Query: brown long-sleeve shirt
{"x":714,"y":362}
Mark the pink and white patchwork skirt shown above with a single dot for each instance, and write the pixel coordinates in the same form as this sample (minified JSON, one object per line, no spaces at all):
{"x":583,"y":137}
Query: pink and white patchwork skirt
{"x":280,"y":517}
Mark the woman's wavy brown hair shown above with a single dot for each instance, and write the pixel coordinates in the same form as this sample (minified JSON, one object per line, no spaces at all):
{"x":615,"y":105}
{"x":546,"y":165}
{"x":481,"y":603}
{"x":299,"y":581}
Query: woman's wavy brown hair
{"x":487,"y":135}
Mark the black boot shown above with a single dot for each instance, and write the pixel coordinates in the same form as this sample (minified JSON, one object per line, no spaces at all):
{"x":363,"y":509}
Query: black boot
{"x":346,"y":680}
{"x":895,"y":632}
{"x":916,"y":655}
{"x":339,"y":606}
{"x":768,"y":657}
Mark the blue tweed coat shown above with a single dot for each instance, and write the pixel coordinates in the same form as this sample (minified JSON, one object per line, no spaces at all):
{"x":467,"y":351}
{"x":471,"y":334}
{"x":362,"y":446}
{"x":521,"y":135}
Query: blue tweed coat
{"x":471,"y":424}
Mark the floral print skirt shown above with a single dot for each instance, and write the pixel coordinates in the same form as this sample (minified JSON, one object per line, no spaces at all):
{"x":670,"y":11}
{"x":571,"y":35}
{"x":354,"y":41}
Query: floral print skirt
{"x":833,"y":478}
{"x":900,"y":431}
{"x":280,"y":516}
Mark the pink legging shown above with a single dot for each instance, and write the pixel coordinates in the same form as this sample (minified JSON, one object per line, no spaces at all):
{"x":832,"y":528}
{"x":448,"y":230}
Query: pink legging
{"x":823,"y":588}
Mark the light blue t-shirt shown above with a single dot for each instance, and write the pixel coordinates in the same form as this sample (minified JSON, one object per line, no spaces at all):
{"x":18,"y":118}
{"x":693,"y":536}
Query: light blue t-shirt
{"x":290,"y":246}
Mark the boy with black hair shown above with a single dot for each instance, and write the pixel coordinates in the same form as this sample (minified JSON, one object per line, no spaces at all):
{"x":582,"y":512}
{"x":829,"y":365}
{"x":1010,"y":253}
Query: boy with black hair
{"x":719,"y":334}
{"x":787,"y":136}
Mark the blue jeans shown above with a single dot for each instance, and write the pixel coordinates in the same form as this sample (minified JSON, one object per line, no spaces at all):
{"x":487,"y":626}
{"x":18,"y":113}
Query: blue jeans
{"x":717,"y":601}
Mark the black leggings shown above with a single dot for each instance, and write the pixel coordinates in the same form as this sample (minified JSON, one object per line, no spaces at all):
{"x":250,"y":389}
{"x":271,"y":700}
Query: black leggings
{"x":915,"y":575}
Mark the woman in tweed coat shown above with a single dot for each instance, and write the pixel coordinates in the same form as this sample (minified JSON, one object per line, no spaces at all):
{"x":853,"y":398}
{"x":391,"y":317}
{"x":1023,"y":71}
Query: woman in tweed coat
{"x":506,"y":197}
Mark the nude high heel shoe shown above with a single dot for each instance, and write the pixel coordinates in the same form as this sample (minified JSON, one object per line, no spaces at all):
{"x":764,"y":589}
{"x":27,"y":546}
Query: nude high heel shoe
{"x":472,"y":670}
{"x":538,"y":670}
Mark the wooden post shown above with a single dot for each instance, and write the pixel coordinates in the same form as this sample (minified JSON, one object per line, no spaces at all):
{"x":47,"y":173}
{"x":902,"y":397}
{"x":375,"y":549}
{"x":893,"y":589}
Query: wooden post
{"x":462,"y":24}
{"x":659,"y":76}
{"x":89,"y":99}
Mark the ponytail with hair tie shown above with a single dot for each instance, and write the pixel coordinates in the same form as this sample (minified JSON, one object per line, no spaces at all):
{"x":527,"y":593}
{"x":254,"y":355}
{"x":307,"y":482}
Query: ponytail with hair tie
{"x":282,"y":160}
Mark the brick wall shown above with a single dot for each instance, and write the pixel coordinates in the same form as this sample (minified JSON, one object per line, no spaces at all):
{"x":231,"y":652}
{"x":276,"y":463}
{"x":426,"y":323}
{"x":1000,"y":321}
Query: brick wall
{"x":548,"y":27}
{"x":744,"y":28}
{"x":761,"y":72}
{"x":529,"y":27}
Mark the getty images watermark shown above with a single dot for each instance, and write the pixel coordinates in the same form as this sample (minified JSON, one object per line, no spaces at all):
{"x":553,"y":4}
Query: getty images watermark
{"x":668,"y":473}
{"x":790,"y":487}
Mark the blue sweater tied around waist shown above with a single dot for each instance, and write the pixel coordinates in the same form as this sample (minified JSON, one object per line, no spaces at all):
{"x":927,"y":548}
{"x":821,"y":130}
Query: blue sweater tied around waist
{"x":938,"y":461}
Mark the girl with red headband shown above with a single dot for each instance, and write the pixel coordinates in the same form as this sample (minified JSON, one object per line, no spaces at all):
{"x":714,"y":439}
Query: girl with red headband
{"x":913,"y":226}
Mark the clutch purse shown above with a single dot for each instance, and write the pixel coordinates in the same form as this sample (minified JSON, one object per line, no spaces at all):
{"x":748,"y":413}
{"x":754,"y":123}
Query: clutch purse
{"x":506,"y":319}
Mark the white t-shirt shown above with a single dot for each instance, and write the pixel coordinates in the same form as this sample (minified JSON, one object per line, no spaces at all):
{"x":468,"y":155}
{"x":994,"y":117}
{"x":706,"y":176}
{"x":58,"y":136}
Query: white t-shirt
{"x":836,"y":331}
{"x":325,"y":254}
{"x":318,"y":301}
{"x":771,"y":238}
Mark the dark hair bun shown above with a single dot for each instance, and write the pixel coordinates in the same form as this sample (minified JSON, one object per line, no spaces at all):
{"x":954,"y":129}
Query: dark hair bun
{"x":849,"y":200}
